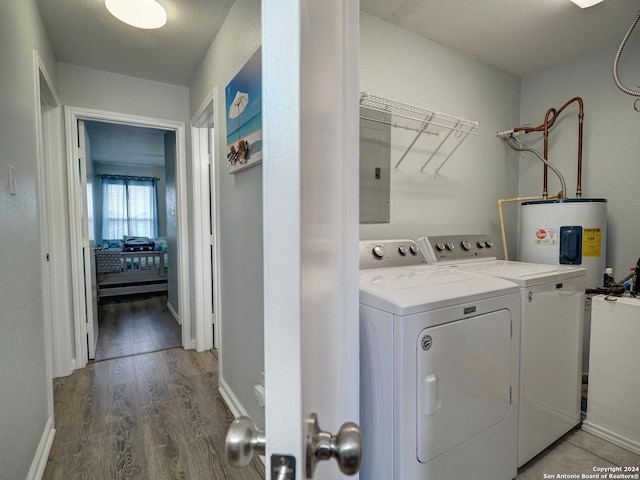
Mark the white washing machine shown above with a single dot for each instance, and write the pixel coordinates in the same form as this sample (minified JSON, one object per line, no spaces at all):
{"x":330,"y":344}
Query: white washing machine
{"x":552,"y":317}
{"x":439,"y":355}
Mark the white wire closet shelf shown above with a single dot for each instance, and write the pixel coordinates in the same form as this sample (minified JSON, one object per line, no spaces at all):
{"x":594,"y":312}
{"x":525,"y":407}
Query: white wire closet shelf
{"x":421,"y":120}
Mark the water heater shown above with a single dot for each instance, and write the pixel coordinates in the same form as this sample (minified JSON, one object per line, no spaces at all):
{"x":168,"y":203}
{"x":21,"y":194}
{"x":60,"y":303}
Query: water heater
{"x":569,"y":231}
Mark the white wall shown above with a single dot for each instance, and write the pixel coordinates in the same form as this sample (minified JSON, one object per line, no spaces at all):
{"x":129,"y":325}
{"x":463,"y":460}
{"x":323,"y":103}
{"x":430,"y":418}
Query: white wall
{"x":402,"y":66}
{"x":95,"y":89}
{"x":241,"y":305}
{"x":23,"y":373}
{"x":611,"y":145}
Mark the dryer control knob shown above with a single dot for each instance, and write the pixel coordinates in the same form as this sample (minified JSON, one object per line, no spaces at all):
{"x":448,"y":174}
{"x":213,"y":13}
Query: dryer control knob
{"x":481,"y":244}
{"x":466,"y":245}
{"x":489,"y":243}
{"x":450,"y":246}
{"x":440,"y":246}
{"x":402,"y":250}
{"x":414,"y":249}
{"x":379,"y":251}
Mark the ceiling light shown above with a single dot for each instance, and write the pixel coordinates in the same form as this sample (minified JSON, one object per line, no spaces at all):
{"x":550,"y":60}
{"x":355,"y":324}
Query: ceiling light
{"x":586,"y":3}
{"x":145,"y":14}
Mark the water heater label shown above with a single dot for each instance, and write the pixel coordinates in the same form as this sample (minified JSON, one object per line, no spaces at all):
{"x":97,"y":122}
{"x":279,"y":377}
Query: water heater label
{"x":591,"y":242}
{"x":547,"y":236}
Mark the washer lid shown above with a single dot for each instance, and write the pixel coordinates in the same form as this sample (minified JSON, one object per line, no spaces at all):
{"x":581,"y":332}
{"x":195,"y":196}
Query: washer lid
{"x":522,"y":273}
{"x":409,"y":290}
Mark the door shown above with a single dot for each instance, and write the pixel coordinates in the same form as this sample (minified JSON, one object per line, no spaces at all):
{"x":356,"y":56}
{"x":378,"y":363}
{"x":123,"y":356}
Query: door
{"x":88,"y":238}
{"x":310,"y":185}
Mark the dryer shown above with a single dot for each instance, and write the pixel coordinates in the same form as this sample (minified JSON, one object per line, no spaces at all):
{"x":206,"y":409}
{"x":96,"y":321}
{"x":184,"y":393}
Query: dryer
{"x":439,"y":362}
{"x":552,"y":318}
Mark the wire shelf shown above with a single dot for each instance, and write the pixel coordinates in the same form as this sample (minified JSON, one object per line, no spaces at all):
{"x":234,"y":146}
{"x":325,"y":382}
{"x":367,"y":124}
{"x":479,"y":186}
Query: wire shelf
{"x":418,"y":119}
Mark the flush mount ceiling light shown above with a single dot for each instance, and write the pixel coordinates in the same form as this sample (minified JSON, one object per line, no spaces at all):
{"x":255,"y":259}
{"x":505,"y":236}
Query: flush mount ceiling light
{"x":586,"y":3}
{"x":147,"y":14}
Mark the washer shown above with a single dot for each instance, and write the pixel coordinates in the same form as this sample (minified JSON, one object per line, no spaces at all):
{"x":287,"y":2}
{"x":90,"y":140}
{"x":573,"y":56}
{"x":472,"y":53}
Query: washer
{"x":439,"y":362}
{"x":552,"y":315}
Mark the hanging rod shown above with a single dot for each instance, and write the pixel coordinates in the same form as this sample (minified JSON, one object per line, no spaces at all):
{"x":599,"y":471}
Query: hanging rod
{"x":418,"y":119}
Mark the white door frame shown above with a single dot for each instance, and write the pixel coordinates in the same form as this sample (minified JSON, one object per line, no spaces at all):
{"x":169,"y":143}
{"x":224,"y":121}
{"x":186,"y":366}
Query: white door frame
{"x":206,"y":224}
{"x":72,"y":115}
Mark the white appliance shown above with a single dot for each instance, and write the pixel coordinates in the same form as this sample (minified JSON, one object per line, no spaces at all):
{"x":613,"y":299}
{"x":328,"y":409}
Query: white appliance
{"x":552,"y":306}
{"x":614,"y":384}
{"x":439,"y":360}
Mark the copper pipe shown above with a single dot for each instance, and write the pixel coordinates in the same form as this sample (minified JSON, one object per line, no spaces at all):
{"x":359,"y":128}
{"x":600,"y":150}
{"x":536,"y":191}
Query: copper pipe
{"x":549,"y":120}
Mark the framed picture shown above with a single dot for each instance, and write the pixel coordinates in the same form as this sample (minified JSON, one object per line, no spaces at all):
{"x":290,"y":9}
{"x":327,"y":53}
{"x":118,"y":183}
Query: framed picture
{"x":243,"y":99}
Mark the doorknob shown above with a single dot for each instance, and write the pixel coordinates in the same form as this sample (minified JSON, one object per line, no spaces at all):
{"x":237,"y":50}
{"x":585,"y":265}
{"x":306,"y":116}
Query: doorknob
{"x":345,"y":447}
{"x":243,"y":438}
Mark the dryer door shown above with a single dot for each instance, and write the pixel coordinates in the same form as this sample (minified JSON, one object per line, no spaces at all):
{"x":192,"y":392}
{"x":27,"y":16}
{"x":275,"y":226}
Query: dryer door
{"x":463,"y":381}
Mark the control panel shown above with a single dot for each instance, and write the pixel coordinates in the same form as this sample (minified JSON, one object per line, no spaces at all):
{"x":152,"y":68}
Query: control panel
{"x":457,"y":248}
{"x":390,"y":253}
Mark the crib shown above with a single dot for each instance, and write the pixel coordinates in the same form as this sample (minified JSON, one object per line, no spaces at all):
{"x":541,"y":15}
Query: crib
{"x":126,"y":273}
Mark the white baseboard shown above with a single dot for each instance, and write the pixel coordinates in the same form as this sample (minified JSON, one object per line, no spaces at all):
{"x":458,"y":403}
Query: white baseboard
{"x":231,"y":400}
{"x":174,"y":313}
{"x":611,"y":437}
{"x":42,"y":454}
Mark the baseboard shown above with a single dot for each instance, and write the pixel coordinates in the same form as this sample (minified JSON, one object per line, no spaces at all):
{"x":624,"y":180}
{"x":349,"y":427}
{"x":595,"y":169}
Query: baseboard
{"x":231,"y":400}
{"x":174,"y":313}
{"x":42,"y":454}
{"x":611,"y":437}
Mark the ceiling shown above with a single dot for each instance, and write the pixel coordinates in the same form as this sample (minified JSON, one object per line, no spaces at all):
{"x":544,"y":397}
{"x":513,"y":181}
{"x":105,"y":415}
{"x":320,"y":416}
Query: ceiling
{"x":519,"y":36}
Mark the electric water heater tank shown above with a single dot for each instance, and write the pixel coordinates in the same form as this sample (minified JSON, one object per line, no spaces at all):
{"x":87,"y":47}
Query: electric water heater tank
{"x":569,"y":231}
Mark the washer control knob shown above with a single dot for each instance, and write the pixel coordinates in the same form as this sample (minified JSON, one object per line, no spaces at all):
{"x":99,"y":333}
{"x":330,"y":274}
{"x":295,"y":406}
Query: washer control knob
{"x":450,"y":246}
{"x":414,"y":249}
{"x":402,"y":250}
{"x":379,"y":251}
{"x":481,"y":244}
{"x":466,"y":245}
{"x":489,"y":243}
{"x":440,"y":246}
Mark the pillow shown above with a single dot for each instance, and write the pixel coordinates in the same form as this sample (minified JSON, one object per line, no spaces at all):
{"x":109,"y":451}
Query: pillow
{"x":128,"y":240}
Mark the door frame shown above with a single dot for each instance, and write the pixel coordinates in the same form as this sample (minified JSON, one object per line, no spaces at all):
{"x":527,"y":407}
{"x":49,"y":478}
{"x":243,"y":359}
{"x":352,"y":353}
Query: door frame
{"x":72,"y":115}
{"x":206,"y":213}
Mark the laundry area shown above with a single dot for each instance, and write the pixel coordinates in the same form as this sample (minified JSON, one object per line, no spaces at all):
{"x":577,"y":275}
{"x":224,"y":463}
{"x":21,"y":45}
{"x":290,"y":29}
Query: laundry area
{"x":504,"y":318}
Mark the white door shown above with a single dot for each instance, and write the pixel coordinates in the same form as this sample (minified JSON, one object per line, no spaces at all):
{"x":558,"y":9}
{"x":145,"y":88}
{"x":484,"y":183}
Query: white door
{"x":88,"y":241}
{"x":310,"y":184}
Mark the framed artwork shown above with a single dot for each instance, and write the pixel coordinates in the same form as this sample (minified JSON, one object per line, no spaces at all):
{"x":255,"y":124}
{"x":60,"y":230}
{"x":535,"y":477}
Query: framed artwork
{"x":243,"y":99}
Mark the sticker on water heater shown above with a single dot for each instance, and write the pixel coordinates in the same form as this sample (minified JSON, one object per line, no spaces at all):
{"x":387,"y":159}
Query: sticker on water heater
{"x":547,"y":236}
{"x":591,"y":242}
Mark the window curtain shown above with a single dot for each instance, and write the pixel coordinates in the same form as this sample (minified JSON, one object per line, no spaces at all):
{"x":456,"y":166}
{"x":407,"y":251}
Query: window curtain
{"x":129,"y":207}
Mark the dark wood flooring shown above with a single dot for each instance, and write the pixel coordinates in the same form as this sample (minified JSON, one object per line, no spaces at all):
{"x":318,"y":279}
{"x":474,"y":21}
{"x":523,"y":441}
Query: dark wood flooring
{"x":135,"y":324}
{"x":146,"y":408}
{"x":151,"y":416}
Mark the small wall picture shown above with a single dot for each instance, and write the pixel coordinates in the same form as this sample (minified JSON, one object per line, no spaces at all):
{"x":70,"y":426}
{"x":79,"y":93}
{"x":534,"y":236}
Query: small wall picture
{"x":243,"y":98}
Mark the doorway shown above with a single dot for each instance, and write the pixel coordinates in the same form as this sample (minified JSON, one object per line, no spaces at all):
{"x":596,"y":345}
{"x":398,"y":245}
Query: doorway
{"x":177,"y":272}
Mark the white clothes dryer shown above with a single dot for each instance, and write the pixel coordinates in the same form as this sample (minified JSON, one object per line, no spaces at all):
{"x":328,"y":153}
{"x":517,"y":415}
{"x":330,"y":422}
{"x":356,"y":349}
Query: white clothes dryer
{"x":439,"y":361}
{"x":552,"y":321}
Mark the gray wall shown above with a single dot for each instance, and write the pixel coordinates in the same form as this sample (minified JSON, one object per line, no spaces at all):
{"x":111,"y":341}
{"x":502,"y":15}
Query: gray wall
{"x":611,"y":140}
{"x":241,"y":308}
{"x":99,"y":90}
{"x":23,"y":373}
{"x":402,"y":66}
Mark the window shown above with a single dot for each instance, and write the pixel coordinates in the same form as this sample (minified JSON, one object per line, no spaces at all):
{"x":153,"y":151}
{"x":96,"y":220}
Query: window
{"x":129,"y":207}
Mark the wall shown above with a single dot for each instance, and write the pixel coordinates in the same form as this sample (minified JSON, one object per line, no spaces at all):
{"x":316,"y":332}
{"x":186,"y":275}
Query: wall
{"x":23,"y":366}
{"x":132,"y":170}
{"x":87,"y":88}
{"x":241,"y":307}
{"x":611,"y":140}
{"x":402,"y":66}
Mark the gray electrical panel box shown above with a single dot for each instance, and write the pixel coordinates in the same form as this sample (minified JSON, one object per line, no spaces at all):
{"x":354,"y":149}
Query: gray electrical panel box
{"x":375,"y":168}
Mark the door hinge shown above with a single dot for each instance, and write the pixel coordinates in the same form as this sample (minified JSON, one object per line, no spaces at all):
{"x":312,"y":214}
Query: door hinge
{"x":510,"y":395}
{"x":511,"y":329}
{"x":47,"y":257}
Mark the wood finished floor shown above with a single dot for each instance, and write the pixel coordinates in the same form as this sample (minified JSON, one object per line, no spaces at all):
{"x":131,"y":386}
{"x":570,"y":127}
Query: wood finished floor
{"x":135,"y":324}
{"x":151,"y":416}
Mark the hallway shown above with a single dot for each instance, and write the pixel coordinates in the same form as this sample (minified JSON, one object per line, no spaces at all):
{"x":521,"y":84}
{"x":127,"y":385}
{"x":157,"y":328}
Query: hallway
{"x":150,"y":416}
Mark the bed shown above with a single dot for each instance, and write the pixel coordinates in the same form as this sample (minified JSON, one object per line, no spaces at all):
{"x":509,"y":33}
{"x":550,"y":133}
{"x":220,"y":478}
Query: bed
{"x":132,"y":265}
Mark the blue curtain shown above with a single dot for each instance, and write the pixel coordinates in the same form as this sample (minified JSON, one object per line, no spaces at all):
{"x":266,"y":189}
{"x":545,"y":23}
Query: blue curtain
{"x":129,"y":207}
